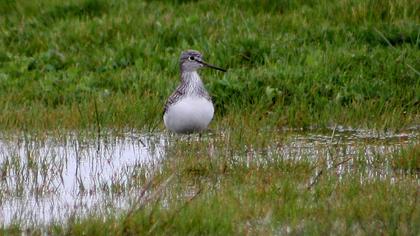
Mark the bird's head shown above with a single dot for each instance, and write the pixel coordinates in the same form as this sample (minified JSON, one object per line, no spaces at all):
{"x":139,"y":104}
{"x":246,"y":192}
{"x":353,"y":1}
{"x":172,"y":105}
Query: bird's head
{"x":192,"y":60}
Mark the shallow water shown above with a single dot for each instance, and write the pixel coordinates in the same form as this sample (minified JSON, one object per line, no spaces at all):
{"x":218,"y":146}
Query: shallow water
{"x":49,"y":178}
{"x":45,"y":179}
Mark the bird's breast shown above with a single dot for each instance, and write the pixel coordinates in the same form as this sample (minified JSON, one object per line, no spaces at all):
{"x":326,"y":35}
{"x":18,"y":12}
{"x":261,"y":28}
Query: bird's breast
{"x":189,"y":114}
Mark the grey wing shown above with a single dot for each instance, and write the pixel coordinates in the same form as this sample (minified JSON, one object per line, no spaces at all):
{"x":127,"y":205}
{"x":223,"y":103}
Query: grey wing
{"x":180,"y":92}
{"x":172,"y":99}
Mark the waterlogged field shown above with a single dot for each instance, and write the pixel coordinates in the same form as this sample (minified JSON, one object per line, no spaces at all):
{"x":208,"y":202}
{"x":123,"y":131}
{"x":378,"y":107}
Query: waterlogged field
{"x":341,"y":180}
{"x":291,"y":63}
{"x":83,"y":149}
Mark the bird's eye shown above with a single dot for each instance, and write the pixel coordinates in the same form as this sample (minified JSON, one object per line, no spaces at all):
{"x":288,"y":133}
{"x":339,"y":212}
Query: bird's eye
{"x":191,"y":58}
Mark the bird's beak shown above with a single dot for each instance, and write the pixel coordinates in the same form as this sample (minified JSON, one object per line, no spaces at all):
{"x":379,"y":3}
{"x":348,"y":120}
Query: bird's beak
{"x":209,"y":65}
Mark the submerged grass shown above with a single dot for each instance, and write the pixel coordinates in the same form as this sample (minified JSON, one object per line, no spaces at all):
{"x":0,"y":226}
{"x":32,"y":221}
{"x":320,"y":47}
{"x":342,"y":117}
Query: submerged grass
{"x":408,"y":159}
{"x":111,"y":64}
{"x":299,"y":64}
{"x":218,"y":195}
{"x":233,"y":184}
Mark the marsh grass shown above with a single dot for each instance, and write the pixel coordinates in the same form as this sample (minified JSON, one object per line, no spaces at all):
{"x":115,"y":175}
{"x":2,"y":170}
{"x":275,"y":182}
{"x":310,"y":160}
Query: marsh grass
{"x":296,"y":64}
{"x":94,"y":65}
{"x":408,"y":159}
{"x":232,"y":183}
{"x":201,"y":194}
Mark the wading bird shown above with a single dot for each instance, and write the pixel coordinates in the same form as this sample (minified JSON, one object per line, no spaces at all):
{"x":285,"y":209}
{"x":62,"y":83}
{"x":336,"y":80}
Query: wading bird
{"x":189,"y":109}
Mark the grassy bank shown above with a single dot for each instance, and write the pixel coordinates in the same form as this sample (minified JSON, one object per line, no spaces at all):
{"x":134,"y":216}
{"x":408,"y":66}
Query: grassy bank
{"x":291,"y":63}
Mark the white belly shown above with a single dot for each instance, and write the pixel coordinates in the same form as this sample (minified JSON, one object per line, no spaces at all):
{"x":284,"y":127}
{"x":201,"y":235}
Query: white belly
{"x":190,"y":114}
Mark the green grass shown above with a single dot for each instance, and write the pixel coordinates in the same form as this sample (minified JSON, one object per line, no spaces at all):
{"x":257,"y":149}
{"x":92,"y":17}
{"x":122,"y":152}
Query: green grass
{"x":90,"y":63}
{"x":198,"y":192}
{"x":234,"y":184}
{"x":408,"y":159}
{"x":291,"y":63}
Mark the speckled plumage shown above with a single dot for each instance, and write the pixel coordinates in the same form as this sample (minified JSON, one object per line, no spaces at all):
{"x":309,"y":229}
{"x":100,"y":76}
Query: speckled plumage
{"x":189,"y":108}
{"x":187,"y":87}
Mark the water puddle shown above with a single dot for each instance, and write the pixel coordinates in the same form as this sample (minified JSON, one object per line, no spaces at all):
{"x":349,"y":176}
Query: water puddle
{"x":49,"y":178}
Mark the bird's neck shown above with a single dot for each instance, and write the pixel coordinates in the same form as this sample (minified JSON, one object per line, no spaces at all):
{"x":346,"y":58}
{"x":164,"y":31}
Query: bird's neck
{"x":192,"y":82}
